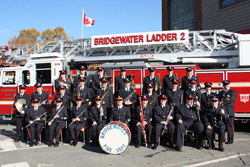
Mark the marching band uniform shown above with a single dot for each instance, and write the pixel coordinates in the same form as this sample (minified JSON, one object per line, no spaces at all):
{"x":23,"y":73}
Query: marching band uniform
{"x":99,"y":118}
{"x":227,"y":97}
{"x":206,"y":97}
{"x":76,"y":79}
{"x":186,"y":80}
{"x":42,"y":96}
{"x":59,"y":123}
{"x":168,"y":79}
{"x":148,"y":115}
{"x":119,"y":81}
{"x":65,"y":81}
{"x":76,"y":126}
{"x":35,"y":129}
{"x":175,"y":96}
{"x":189,"y":116}
{"x":214,"y":118}
{"x":152,"y":97}
{"x":20,"y":118}
{"x":96,"y":82}
{"x":149,"y":80}
{"x":65,"y":98}
{"x":196,"y":93}
{"x":84,"y":93}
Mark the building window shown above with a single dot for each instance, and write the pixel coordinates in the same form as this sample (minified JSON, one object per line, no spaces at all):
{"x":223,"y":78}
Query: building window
{"x":225,"y":3}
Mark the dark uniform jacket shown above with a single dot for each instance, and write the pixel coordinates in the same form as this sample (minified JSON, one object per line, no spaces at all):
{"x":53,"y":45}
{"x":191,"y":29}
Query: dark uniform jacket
{"x":96,"y":83}
{"x":175,"y":97}
{"x":119,"y":83}
{"x":76,"y":112}
{"x":32,"y":115}
{"x":185,"y":82}
{"x":122,"y":115}
{"x":206,"y":101}
{"x":41,"y":98}
{"x":63,"y":115}
{"x":123,"y":93}
{"x":108,"y":98}
{"x":146,"y":82}
{"x":147,"y":113}
{"x":196,"y":94}
{"x":167,"y":83}
{"x":187,"y":114}
{"x":153,"y":99}
{"x":84,"y":93}
{"x":161,"y":114}
{"x":229,"y":103}
{"x":76,"y":81}
{"x":67,"y":90}
{"x":95,"y":114}
{"x":27,"y":98}
{"x":65,"y":100}
{"x":214,"y":118}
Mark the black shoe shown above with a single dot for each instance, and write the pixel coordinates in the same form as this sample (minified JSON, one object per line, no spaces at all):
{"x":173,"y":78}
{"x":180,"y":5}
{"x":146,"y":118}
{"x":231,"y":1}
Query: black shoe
{"x":138,"y":145}
{"x":155,"y":146}
{"x":75,"y":142}
{"x":31,"y":144}
{"x":50,"y":143}
{"x":57,"y":144}
{"x":178,"y":148}
{"x":171,"y":145}
{"x":71,"y":143}
{"x":199,"y":147}
{"x":230,"y":142}
{"x":17,"y":140}
{"x":36,"y":143}
{"x":149,"y":145}
{"x":221,"y":149}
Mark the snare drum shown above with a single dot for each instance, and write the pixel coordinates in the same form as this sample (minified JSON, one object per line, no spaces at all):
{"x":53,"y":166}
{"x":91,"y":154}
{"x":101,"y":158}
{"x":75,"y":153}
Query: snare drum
{"x":115,"y":137}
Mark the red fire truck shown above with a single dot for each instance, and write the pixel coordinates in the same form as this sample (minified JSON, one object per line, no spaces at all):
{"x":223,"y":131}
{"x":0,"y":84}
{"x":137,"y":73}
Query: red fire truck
{"x":215,"y":55}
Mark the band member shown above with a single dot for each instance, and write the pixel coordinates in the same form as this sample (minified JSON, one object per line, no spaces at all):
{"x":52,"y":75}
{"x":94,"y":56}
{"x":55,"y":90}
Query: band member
{"x":151,"y":79}
{"x":163,"y":120}
{"x":96,"y":82}
{"x":213,"y":121}
{"x":147,"y":115}
{"x":40,"y":94}
{"x":20,"y":115}
{"x":63,"y":80}
{"x":81,"y":75}
{"x":196,"y":93}
{"x":186,"y":80}
{"x":65,"y":98}
{"x":58,"y":121}
{"x":119,"y":81}
{"x":206,"y":97}
{"x":98,"y":118}
{"x":168,"y":79}
{"x":227,"y":98}
{"x":107,"y":97}
{"x":120,"y":112}
{"x":175,"y":95}
{"x":35,"y":118}
{"x":188,"y":117}
{"x":82,"y":91}
{"x":152,"y":96}
{"x":79,"y":115}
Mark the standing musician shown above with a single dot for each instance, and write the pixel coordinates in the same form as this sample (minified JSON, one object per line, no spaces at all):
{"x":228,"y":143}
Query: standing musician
{"x":120,"y":113}
{"x":63,"y":80}
{"x":151,"y":79}
{"x":152,"y":96}
{"x":65,"y":98}
{"x":40,"y":94}
{"x":163,"y":119}
{"x":206,"y":97}
{"x":175,"y":95}
{"x":188,"y":117}
{"x":119,"y":81}
{"x":82,"y":91}
{"x":213,"y":121}
{"x":147,"y":113}
{"x":227,"y":98}
{"x":168,"y":79}
{"x":35,"y":118}
{"x":58,"y":121}
{"x":186,"y":79}
{"x":20,"y":115}
{"x":81,"y":75}
{"x":79,"y":115}
{"x":107,"y":97}
{"x":98,"y":118}
{"x":196,"y":93}
{"x":96,"y":82}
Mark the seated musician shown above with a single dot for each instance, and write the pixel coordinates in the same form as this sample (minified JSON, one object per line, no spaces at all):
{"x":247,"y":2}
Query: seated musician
{"x":213,"y":121}
{"x":20,"y":115}
{"x":147,"y":123}
{"x":206,"y":97}
{"x":65,"y":98}
{"x":63,"y":80}
{"x":194,"y":91}
{"x":175,"y":95}
{"x":98,"y":118}
{"x":82,"y":91}
{"x":120,"y":112}
{"x":152,"y":96}
{"x":40,"y":95}
{"x":35,"y":119}
{"x":57,"y":122}
{"x":79,"y":115}
{"x":188,"y":117}
{"x":163,"y":120}
{"x":81,"y":75}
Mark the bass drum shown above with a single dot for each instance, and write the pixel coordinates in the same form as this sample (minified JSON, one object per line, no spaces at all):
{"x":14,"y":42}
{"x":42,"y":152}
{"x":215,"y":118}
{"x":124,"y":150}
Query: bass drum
{"x":115,"y":137}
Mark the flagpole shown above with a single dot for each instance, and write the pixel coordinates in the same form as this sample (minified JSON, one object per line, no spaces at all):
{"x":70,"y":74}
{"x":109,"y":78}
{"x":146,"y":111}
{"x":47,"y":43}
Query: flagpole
{"x":82,"y":20}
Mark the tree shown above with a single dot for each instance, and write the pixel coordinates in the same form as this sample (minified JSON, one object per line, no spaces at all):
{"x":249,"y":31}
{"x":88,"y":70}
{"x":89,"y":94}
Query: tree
{"x":60,"y":33}
{"x":48,"y":35}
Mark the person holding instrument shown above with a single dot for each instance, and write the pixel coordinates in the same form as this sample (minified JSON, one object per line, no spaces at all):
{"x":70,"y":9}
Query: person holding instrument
{"x":35,"y":119}
{"x":151,"y":79}
{"x":119,"y":81}
{"x":96,"y":82}
{"x":41,"y":95}
{"x":175,"y":95}
{"x":186,"y":79}
{"x":152,"y":96}
{"x":168,"y":79}
{"x":58,"y":121}
{"x":81,"y":75}
{"x":20,"y":115}
{"x":63,"y":80}
{"x":82,"y":91}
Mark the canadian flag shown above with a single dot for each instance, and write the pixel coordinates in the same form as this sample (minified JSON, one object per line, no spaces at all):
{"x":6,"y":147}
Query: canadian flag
{"x":88,"y":21}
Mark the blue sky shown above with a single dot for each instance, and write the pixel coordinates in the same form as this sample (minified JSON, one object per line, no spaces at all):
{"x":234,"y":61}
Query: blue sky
{"x":111,"y":16}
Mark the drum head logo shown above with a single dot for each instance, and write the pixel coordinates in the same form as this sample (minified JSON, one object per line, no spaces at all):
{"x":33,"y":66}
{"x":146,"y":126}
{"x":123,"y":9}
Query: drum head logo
{"x":244,"y":98}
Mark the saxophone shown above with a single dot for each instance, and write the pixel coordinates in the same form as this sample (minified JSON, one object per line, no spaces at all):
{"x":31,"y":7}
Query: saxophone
{"x":131,"y":77}
{"x":129,"y":96}
{"x":103,"y":96}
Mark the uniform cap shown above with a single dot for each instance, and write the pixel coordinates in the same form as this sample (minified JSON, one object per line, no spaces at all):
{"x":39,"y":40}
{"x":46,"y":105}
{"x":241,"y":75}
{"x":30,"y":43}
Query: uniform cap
{"x":144,"y":97}
{"x":62,"y":72}
{"x":208,"y":84}
{"x":58,"y":99}
{"x":82,"y":79}
{"x":170,"y":68}
{"x":175,"y":82}
{"x":127,"y":80}
{"x":82,"y":68}
{"x":22,"y":86}
{"x":98,"y":98}
{"x":38,"y":85}
{"x":35,"y":100}
{"x":78,"y":98}
{"x":150,"y":86}
{"x":100,"y":69}
{"x":226,"y":82}
{"x":123,"y":69}
{"x":104,"y":80}
{"x":62,"y":87}
{"x":189,"y":68}
{"x":163,"y":97}
{"x":190,"y":97}
{"x":119,"y":98}
{"x":151,"y":69}
{"x":214,"y":98}
{"x":193,"y":81}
